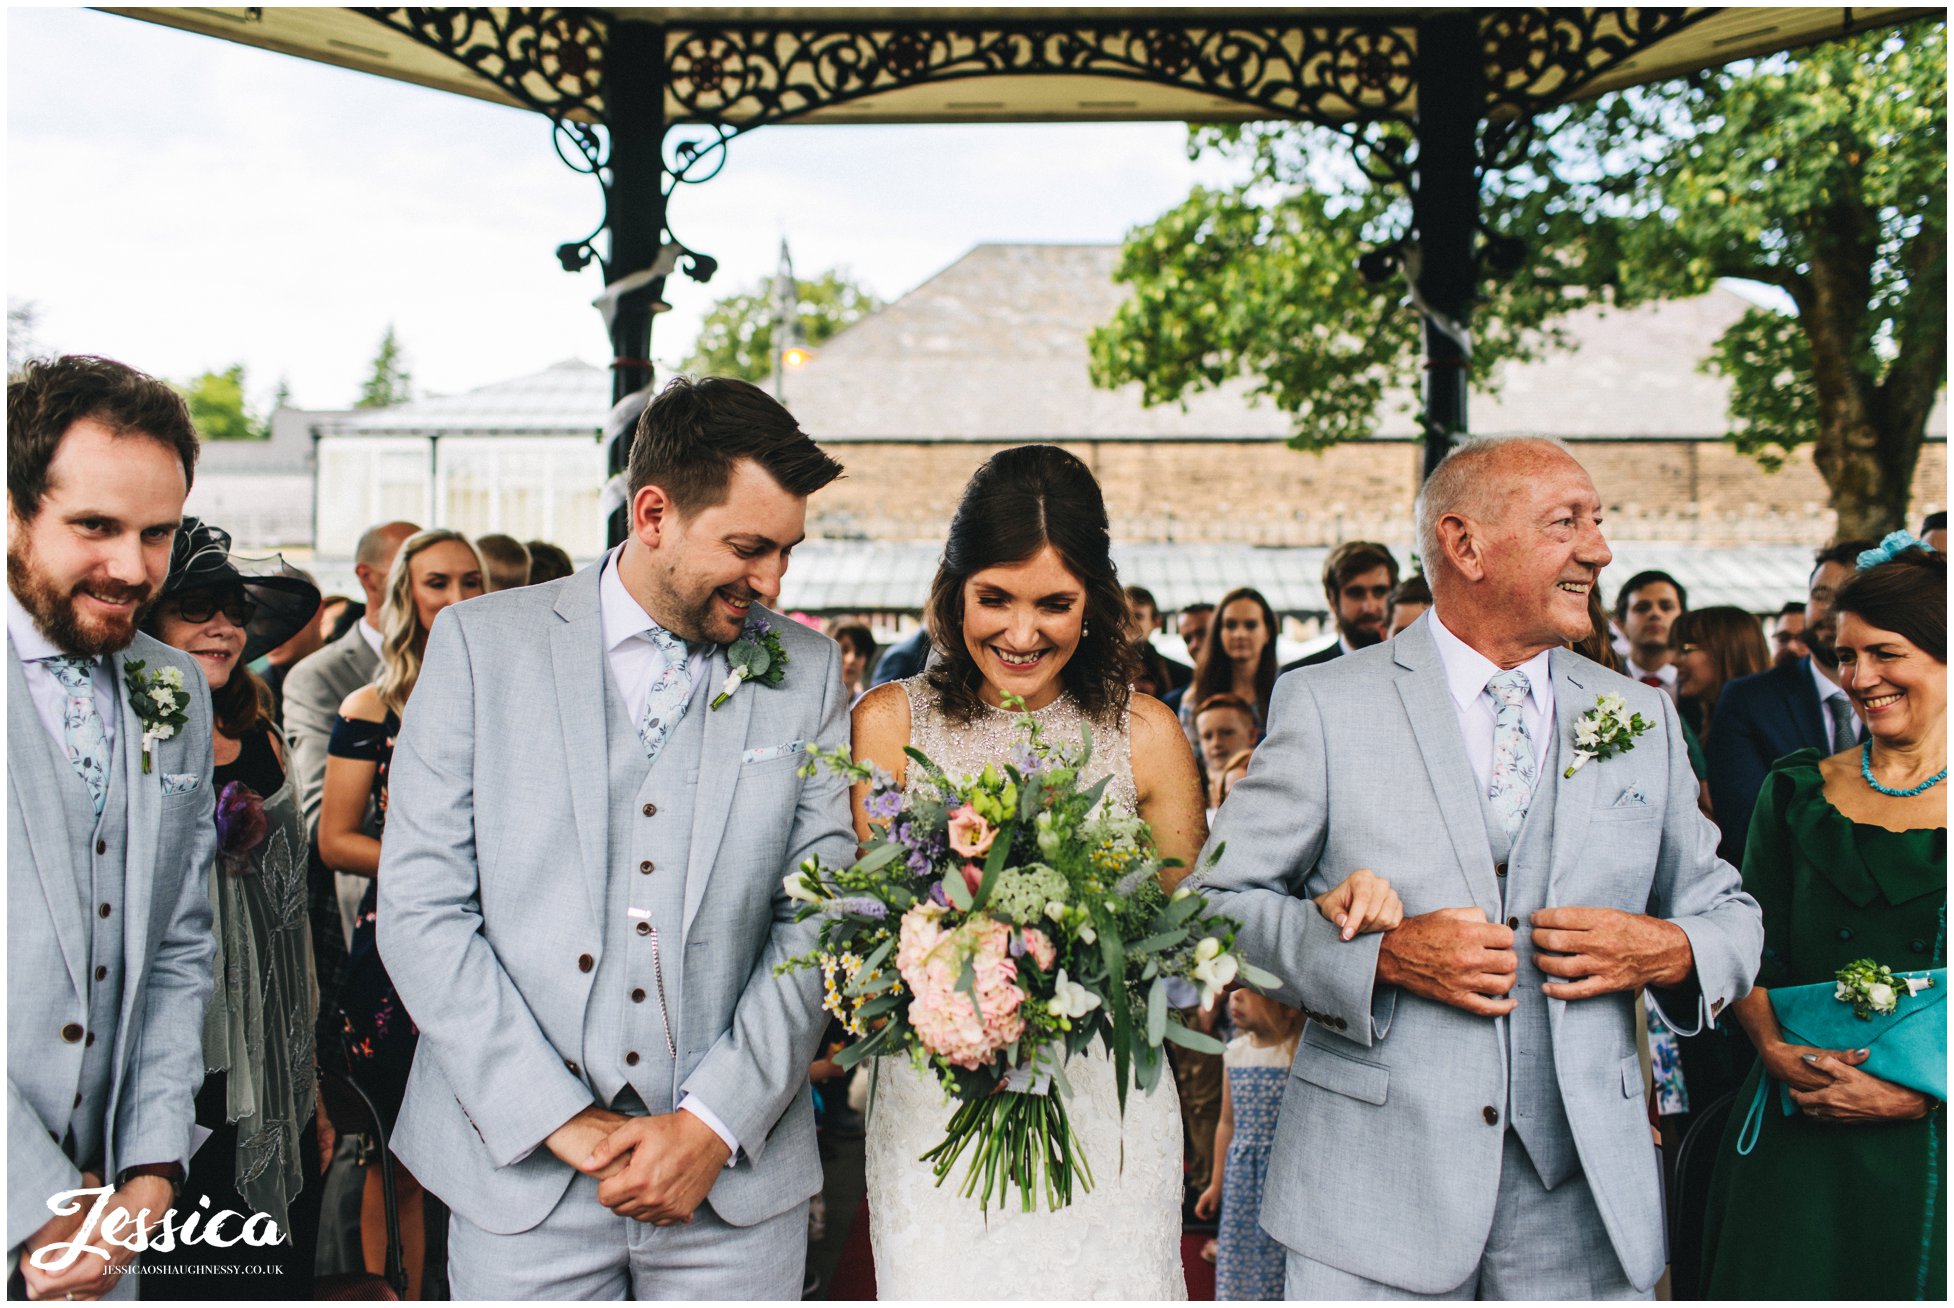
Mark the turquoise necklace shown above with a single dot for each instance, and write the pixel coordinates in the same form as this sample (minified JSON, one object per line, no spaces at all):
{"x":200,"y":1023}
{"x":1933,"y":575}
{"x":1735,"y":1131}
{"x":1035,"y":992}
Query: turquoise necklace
{"x":1866,"y":771}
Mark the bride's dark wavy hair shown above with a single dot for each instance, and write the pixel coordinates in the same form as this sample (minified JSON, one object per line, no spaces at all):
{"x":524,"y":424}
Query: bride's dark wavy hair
{"x":1021,"y":500}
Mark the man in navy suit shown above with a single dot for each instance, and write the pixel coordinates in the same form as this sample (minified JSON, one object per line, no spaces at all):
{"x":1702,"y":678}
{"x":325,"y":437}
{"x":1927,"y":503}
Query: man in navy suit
{"x":1794,"y":706}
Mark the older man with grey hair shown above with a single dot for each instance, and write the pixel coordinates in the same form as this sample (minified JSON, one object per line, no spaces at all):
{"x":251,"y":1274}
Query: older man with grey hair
{"x":1466,"y":1119}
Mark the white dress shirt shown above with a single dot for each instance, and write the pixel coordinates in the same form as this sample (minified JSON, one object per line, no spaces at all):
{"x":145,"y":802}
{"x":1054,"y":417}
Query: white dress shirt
{"x":635,"y":663}
{"x":369,"y":633}
{"x":1466,"y":673}
{"x":1827,"y":689}
{"x":1666,"y":675}
{"x":49,"y":696}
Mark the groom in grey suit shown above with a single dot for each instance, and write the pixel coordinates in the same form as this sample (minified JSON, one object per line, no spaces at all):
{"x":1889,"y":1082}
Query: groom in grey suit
{"x":581,"y":897}
{"x":1464,"y":1117}
{"x":110,"y":835}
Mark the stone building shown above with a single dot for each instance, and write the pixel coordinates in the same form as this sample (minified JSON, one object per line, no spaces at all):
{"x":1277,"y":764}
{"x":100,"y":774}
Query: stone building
{"x":991,"y":352}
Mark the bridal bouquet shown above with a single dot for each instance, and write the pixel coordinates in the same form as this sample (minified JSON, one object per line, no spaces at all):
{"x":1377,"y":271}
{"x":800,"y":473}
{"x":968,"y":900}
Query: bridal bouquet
{"x":995,"y":925}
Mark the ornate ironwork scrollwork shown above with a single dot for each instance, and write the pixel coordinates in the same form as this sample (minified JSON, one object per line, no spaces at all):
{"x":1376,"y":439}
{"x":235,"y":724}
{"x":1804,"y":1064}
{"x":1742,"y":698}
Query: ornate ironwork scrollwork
{"x":752,"y":74}
{"x":1538,"y":57}
{"x":551,"y":60}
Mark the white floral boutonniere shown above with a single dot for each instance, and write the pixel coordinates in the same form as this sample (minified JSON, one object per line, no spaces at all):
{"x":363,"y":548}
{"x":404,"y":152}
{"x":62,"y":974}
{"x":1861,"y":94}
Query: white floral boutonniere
{"x":1605,"y":730}
{"x":755,"y":656}
{"x":159,"y":701}
{"x":1872,"y":988}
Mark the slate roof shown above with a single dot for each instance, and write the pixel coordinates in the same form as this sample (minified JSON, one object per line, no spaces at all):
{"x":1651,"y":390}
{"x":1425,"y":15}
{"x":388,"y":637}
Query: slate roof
{"x":993,"y":348}
{"x":565,"y":399}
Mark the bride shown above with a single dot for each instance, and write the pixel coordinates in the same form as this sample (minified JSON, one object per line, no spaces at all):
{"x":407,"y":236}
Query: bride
{"x":1026,"y":603}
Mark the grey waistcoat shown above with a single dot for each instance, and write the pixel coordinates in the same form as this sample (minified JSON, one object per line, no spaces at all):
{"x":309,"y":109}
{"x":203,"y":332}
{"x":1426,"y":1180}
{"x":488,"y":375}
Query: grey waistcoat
{"x":631,"y":1028}
{"x":1533,"y":1100}
{"x":100,"y":848}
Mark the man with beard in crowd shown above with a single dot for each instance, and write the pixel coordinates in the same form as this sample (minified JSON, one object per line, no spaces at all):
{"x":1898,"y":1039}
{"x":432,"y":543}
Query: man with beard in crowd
{"x":1357,"y":580}
{"x":1801,"y":705}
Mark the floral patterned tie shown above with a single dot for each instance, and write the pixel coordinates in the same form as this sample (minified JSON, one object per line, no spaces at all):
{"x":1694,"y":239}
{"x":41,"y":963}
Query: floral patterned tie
{"x":1514,"y":769}
{"x":87,"y":740}
{"x":670,"y":692}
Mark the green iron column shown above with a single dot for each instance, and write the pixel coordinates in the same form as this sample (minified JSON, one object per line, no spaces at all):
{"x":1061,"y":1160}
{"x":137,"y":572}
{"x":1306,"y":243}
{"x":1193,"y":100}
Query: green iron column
{"x":634,"y":213}
{"x":1445,"y":211}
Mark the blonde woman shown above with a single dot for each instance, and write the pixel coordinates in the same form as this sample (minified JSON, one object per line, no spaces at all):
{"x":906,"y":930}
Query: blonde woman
{"x":433,"y":570}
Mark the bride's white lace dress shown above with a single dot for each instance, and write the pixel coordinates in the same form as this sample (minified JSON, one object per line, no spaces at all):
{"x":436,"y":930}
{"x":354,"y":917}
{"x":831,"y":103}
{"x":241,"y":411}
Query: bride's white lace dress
{"x":1121,"y":1239}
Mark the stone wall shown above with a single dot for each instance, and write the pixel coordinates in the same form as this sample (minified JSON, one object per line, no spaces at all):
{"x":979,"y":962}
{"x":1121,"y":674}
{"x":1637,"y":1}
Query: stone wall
{"x":1263,"y":493}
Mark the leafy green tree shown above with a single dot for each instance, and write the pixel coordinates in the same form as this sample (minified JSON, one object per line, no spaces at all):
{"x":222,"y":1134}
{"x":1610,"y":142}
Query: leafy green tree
{"x":736,"y":338}
{"x":389,"y":382}
{"x":217,"y":407}
{"x":1822,"y":173}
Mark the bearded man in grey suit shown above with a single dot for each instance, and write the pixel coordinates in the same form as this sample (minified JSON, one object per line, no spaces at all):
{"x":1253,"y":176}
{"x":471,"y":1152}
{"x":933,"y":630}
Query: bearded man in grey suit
{"x":110,"y":836}
{"x":581,"y":899}
{"x":1465,"y":1115}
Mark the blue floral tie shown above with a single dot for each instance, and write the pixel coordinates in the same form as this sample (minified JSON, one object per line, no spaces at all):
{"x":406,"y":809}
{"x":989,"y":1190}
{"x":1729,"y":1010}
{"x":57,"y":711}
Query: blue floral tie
{"x":1514,"y":769}
{"x":82,"y":731}
{"x":670,"y":692}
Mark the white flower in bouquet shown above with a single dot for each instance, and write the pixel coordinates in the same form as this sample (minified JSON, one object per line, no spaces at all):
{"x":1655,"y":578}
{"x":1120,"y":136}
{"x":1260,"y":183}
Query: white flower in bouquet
{"x":1070,"y":999}
{"x":1213,"y":969}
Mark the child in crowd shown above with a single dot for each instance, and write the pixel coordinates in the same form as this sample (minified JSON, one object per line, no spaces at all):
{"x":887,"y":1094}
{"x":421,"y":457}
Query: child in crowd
{"x":1250,"y":1263}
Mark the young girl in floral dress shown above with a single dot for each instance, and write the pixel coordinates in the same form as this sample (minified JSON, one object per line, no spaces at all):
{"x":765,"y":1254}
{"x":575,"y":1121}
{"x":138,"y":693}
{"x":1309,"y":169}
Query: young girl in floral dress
{"x":1250,"y":1263}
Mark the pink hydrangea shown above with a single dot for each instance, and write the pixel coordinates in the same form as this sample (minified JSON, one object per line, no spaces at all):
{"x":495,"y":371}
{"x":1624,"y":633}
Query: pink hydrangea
{"x":931,"y":959}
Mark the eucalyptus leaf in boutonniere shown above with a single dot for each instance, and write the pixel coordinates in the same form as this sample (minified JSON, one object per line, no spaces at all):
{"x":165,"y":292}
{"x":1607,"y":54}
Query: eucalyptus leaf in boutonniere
{"x":159,"y":701}
{"x":1605,"y":730}
{"x":1872,"y":988}
{"x":755,"y":656}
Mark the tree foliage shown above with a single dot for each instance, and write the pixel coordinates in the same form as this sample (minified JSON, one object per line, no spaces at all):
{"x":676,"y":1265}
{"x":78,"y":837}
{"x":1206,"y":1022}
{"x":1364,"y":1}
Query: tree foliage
{"x":736,"y":338}
{"x":1822,"y":173}
{"x":389,"y":382}
{"x":218,"y":410}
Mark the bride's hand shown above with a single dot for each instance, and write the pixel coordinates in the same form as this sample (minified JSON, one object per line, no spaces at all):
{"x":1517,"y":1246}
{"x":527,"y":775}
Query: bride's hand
{"x":1362,"y":901}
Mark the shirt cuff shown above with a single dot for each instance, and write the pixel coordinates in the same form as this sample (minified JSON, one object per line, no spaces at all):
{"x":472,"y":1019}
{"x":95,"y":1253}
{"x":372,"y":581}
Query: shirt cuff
{"x":691,"y":1104}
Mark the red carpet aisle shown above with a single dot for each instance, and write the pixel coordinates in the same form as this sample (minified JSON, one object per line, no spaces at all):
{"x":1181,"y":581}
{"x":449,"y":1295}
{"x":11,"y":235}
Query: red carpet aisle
{"x":854,"y":1276}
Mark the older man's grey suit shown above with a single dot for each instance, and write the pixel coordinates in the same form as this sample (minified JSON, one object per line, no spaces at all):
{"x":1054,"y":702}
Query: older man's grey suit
{"x":104,"y":1073}
{"x":508,"y":861}
{"x":1387,"y":1158}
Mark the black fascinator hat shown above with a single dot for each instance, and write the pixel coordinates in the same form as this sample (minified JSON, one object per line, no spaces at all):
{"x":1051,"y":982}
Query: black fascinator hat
{"x":285,"y":599}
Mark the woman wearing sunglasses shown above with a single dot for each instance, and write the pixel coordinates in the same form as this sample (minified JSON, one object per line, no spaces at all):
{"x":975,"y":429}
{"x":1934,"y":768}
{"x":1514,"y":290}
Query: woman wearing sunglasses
{"x":259,"y":1097}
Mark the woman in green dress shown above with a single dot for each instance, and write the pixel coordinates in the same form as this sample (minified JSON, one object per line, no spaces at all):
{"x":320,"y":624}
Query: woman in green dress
{"x":1847,"y":1199}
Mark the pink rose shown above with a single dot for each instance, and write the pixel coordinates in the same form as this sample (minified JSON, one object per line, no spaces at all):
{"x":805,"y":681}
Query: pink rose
{"x":973,"y":876}
{"x":1041,"y":949}
{"x":970,"y":835}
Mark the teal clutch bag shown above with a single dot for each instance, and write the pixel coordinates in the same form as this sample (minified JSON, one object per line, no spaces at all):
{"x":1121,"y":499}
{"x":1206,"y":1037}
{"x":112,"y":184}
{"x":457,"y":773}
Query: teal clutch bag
{"x":1907,"y":1046}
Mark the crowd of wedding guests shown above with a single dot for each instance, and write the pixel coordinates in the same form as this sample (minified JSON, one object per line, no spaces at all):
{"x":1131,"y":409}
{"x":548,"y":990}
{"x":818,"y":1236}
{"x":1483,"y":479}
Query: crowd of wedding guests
{"x":1811,"y":732}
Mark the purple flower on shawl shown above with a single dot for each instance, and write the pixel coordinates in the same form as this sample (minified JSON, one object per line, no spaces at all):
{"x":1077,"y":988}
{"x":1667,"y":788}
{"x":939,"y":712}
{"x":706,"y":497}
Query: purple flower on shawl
{"x":241,"y":826}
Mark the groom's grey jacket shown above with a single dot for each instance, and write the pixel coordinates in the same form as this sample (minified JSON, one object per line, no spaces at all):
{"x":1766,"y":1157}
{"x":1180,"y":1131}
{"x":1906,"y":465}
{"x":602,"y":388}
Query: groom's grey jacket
{"x":499,"y":891}
{"x":1387,"y":1153}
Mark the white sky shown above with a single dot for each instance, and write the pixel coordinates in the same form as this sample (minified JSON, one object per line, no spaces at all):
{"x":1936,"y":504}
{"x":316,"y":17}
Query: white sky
{"x":183,"y":203}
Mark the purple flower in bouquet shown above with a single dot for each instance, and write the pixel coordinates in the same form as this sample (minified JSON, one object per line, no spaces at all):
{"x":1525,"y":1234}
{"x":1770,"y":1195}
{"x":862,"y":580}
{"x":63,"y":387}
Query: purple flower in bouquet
{"x":881,"y":804}
{"x":937,"y":896}
{"x":925,"y":847}
{"x":241,"y":826}
{"x":1028,"y":761}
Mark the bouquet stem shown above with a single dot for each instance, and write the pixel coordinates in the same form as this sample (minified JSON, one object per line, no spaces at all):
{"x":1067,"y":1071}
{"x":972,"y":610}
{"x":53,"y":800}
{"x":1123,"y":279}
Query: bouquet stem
{"x":1017,"y":1137}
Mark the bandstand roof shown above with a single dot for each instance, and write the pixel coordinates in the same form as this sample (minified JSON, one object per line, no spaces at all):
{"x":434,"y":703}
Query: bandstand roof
{"x":741,"y":66}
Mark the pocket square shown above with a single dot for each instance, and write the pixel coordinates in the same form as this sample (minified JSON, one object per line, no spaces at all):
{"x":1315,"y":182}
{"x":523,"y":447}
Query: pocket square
{"x":766,"y":752}
{"x":1632,"y":798}
{"x":179,"y":783}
